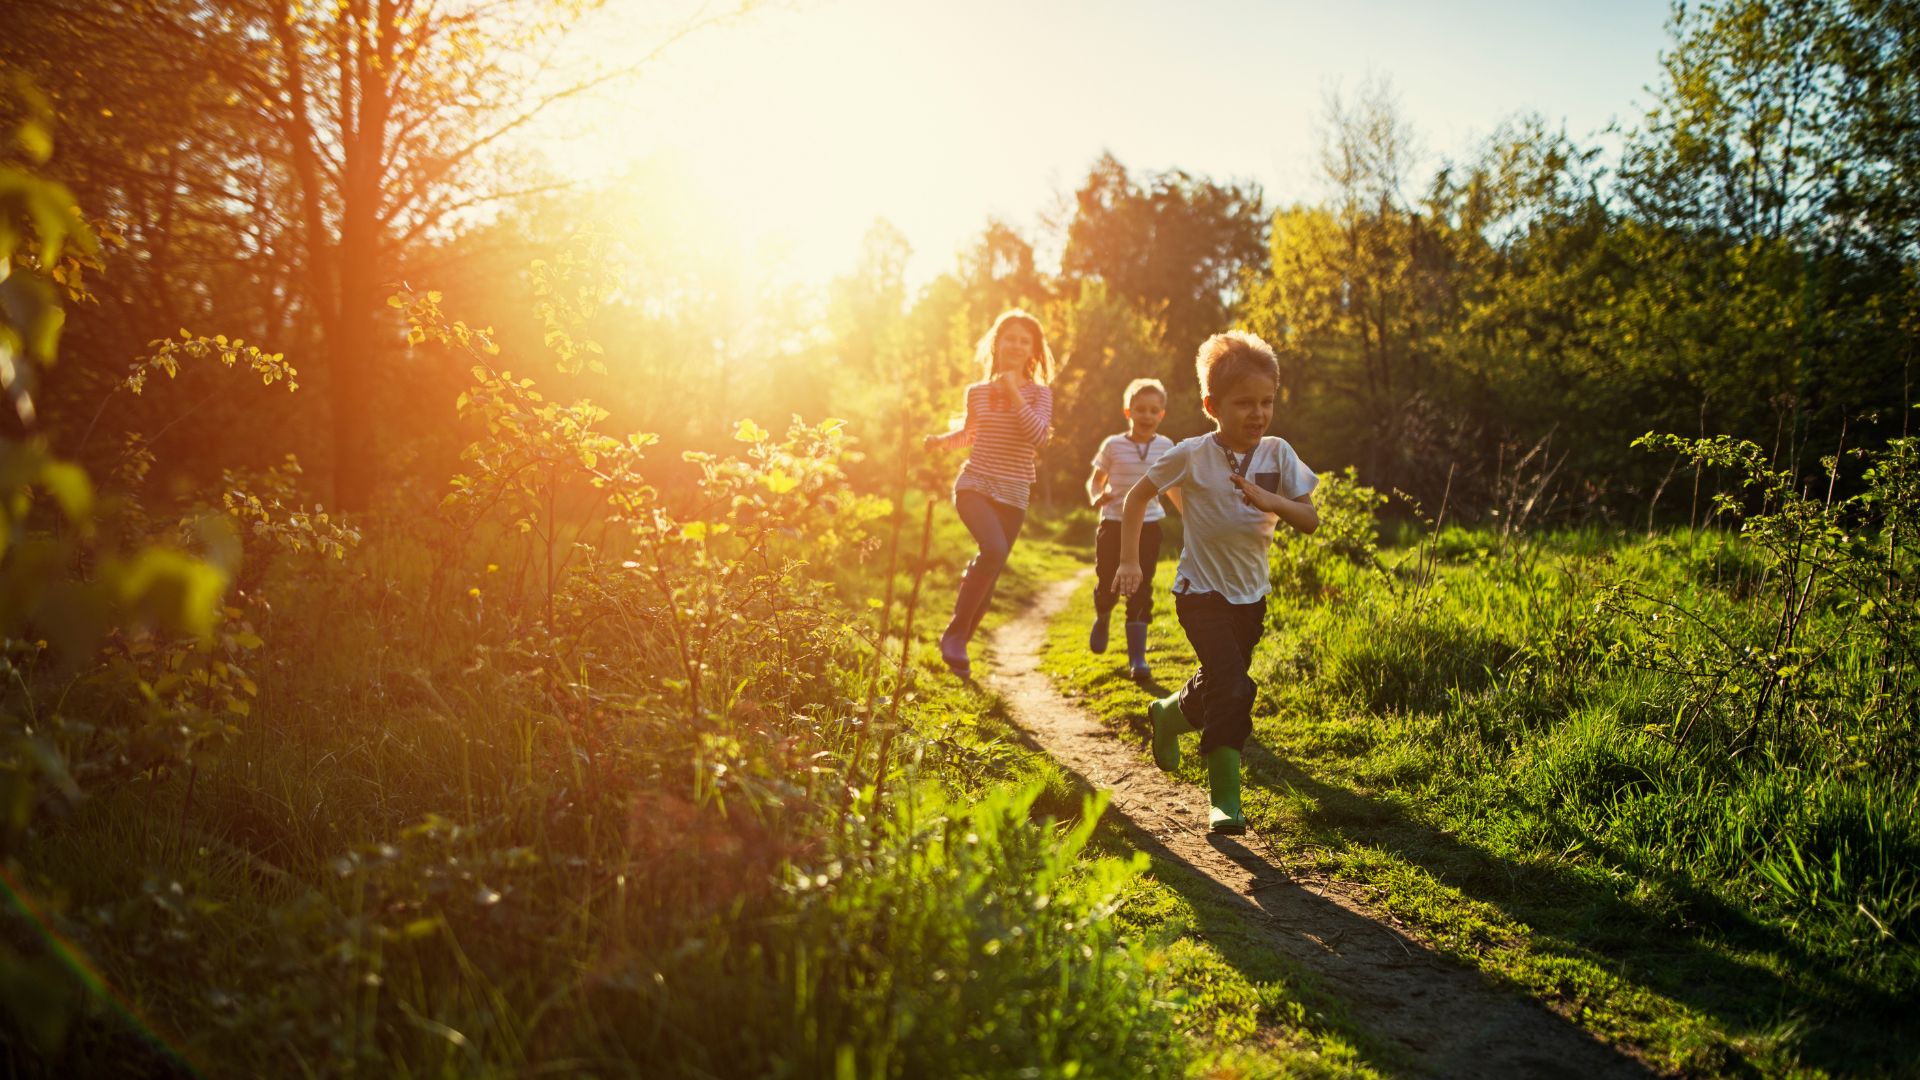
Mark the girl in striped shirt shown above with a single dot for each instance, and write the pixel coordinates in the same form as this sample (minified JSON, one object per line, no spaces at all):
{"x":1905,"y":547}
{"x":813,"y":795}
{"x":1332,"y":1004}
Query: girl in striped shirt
{"x":1008,"y":413}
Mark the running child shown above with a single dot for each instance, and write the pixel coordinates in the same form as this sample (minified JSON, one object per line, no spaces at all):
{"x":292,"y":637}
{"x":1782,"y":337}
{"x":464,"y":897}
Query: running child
{"x":1006,"y":421}
{"x":1122,"y":460}
{"x":1239,"y":483}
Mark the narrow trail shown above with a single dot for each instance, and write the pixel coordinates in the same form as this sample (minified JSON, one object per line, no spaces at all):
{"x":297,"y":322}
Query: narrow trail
{"x":1449,"y":1020}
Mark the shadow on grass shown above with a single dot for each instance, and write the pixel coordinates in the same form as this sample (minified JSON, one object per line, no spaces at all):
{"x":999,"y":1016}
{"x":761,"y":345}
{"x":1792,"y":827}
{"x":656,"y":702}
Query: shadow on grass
{"x":1840,"y":1023}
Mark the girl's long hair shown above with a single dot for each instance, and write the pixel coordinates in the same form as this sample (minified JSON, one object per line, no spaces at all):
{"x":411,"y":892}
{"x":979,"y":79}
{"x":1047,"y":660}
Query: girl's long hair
{"x":1039,"y":368}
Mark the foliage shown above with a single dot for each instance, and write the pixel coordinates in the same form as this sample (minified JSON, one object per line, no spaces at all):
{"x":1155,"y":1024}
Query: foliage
{"x":67,"y":578}
{"x":1174,"y":245}
{"x":938,"y":953}
{"x":1106,"y":345}
{"x":39,"y":225}
{"x":167,"y":354}
{"x":1348,"y":531}
{"x":1835,"y":581}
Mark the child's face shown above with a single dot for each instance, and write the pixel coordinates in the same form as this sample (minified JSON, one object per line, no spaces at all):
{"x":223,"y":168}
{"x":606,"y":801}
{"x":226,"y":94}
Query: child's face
{"x":1242,"y":411}
{"x":1147,"y":410}
{"x":1013,"y":348}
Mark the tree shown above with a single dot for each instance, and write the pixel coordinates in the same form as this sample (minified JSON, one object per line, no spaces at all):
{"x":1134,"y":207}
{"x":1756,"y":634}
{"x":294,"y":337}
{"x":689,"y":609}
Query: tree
{"x":1176,"y":246}
{"x":1106,"y":344}
{"x":1761,"y":190}
{"x":864,"y":309}
{"x":1878,"y":53}
{"x":999,"y":272}
{"x":369,"y":126}
{"x":1362,"y":287}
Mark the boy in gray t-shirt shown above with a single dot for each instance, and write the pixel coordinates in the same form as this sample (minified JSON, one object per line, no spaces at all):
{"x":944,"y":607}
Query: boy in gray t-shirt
{"x":1237,"y":484}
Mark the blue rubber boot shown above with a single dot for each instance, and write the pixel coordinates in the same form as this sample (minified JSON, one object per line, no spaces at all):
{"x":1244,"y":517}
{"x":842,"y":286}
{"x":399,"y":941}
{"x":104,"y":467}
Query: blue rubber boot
{"x":954,"y":652}
{"x":1137,"y":652}
{"x":1223,"y":785}
{"x":1097,"y":640}
{"x":1169,"y":723}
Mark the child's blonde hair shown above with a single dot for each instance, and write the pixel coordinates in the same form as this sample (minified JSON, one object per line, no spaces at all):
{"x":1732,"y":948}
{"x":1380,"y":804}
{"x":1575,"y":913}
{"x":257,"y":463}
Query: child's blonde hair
{"x":1039,"y":367}
{"x":1225,"y":359}
{"x":1140,"y":386}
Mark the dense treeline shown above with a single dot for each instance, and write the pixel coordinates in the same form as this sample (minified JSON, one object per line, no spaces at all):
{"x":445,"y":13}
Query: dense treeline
{"x":1740,"y":260}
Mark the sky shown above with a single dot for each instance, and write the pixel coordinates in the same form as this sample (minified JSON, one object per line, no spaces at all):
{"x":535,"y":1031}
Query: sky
{"x":783,"y":135}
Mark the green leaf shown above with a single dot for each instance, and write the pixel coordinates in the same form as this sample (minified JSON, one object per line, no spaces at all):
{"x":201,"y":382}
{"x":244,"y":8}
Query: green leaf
{"x":69,"y":486}
{"x":35,"y":142}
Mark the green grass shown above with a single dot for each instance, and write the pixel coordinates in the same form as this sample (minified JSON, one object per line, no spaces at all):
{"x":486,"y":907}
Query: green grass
{"x":1524,"y":810}
{"x":433,"y":847}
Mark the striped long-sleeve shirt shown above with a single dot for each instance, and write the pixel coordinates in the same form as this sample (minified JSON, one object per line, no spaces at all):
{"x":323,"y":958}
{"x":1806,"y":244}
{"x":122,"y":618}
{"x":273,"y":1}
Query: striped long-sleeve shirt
{"x":1004,"y":438}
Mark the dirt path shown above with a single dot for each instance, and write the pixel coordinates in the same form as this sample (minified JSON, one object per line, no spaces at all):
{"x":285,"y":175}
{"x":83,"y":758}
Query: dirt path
{"x":1448,"y":1019}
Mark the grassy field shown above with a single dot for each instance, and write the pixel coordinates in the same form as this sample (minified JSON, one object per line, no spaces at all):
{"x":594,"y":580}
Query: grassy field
{"x":479,"y":800}
{"x":1510,"y":754}
{"x":456,"y":839}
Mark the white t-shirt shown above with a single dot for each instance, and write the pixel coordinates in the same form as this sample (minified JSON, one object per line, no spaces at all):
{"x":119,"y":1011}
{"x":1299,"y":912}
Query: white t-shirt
{"x":1125,"y":462}
{"x":1225,"y":550}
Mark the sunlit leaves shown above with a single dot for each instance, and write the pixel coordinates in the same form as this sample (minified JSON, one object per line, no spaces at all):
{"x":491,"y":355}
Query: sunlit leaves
{"x":266,"y":506}
{"x":73,"y":573}
{"x":427,"y":323}
{"x":568,"y":293}
{"x":168,"y":353}
{"x":39,"y":221}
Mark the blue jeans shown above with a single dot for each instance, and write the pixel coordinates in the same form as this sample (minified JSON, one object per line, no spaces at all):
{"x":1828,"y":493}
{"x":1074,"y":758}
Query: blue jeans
{"x":995,"y":526}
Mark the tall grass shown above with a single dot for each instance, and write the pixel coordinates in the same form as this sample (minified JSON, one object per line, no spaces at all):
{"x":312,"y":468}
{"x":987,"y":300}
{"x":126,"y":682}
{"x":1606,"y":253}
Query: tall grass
{"x":1635,"y":699}
{"x":633,"y":817}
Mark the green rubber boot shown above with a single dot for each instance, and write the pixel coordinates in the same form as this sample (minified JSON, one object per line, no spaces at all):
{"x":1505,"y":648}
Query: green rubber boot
{"x":1169,"y":723}
{"x":1223,"y":780}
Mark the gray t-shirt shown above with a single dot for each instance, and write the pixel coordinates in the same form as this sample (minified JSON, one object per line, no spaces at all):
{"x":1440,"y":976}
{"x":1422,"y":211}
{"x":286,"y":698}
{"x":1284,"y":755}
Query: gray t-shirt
{"x":1225,"y":549}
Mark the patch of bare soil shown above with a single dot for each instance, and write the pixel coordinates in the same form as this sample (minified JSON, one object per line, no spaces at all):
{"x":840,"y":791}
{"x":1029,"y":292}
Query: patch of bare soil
{"x":1448,"y":1020}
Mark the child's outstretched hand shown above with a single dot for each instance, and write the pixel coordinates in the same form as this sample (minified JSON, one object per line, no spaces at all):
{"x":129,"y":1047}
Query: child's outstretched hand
{"x":1126,"y":579}
{"x":1258,"y":497}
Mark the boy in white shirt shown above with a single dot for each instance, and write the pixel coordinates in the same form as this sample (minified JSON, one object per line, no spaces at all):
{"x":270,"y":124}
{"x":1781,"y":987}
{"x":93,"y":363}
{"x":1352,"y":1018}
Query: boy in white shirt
{"x":1238,"y":483}
{"x":1123,"y":459}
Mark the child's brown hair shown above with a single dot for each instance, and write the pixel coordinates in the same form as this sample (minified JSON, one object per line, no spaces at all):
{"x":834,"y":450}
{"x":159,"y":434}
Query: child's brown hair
{"x":1225,"y":359}
{"x":1142,"y":386}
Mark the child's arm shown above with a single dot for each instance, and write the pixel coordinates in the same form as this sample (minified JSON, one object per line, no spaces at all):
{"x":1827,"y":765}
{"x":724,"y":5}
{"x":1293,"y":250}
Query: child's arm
{"x":1298,"y":513}
{"x":1097,"y":492}
{"x":1127,"y":576}
{"x":962,"y":434}
{"x":1034,"y":416}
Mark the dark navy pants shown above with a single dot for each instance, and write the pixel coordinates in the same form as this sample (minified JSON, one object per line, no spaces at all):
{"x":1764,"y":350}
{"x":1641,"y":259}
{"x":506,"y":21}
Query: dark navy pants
{"x":1106,"y":559}
{"x":1219,"y":698}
